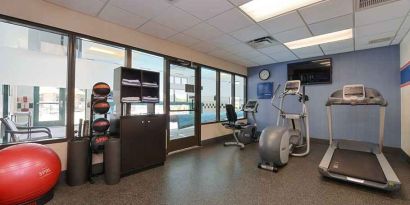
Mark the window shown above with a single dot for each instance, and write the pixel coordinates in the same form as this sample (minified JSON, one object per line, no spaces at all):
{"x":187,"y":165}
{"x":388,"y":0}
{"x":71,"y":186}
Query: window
{"x":95,"y":62}
{"x":239,"y":95}
{"x":150,"y":62}
{"x":33,"y":81}
{"x":225,"y":92}
{"x":208,"y":95}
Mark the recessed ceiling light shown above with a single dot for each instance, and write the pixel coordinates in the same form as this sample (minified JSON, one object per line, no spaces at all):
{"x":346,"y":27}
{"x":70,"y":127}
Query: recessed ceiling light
{"x":321,"y":39}
{"x":260,"y":10}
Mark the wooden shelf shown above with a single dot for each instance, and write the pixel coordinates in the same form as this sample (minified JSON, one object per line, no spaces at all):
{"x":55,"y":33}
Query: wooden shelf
{"x":121,"y":90}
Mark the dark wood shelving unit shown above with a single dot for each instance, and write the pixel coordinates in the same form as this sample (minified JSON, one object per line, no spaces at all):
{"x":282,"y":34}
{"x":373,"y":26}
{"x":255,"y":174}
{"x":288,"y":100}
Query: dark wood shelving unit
{"x":143,"y":137}
{"x":121,"y":91}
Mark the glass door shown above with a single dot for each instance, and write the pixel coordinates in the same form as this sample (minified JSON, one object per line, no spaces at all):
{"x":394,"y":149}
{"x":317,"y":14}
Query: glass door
{"x":49,"y":106}
{"x":182,"y":106}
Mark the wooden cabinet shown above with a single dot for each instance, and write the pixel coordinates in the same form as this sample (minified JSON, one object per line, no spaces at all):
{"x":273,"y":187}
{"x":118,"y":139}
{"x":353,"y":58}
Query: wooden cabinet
{"x":143,"y":141}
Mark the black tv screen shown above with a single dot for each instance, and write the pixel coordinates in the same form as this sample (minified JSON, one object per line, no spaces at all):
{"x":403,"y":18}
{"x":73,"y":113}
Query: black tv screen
{"x":311,"y":72}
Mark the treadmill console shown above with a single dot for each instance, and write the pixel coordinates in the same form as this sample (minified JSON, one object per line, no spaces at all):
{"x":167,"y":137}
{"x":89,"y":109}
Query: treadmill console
{"x":354,"y":92}
{"x":251,"y":106}
{"x":292,"y":87}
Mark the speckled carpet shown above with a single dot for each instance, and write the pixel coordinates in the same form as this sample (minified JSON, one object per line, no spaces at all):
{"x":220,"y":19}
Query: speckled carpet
{"x":215,"y":174}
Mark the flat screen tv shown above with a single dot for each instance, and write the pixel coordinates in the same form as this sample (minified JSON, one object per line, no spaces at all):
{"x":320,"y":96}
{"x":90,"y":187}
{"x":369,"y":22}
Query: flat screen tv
{"x":311,"y":72}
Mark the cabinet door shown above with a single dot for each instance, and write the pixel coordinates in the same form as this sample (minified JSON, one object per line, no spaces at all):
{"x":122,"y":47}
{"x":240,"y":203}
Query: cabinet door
{"x":155,"y":139}
{"x":132,"y":144}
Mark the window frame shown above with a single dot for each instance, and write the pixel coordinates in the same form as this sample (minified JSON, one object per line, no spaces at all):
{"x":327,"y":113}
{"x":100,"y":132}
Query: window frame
{"x":216,"y":94}
{"x":71,"y":61}
{"x":218,"y":84}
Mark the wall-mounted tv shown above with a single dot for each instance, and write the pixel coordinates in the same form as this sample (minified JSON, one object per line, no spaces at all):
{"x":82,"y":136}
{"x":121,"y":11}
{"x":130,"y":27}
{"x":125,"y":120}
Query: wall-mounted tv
{"x":311,"y":72}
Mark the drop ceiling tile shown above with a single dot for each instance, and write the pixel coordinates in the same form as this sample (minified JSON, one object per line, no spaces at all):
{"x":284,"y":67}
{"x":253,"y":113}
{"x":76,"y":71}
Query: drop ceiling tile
{"x":220,"y":53}
{"x":177,"y":19}
{"x":344,"y":50}
{"x":90,"y":7}
{"x":183,"y":39}
{"x":404,"y":29}
{"x":381,"y":13}
{"x":380,"y":27}
{"x":292,"y":35}
{"x":119,"y":16}
{"x":332,"y":25}
{"x":203,"y":31}
{"x":308,"y":52}
{"x":282,"y":23}
{"x":230,"y":21}
{"x":263,"y":60}
{"x":239,"y":48}
{"x":203,"y":46}
{"x":249,"y":33}
{"x":144,"y":8}
{"x":249,"y":54}
{"x":274,"y":49}
{"x":239,"y":2}
{"x":339,"y":45}
{"x":326,"y":10}
{"x":224,"y":41}
{"x":154,"y":29}
{"x":283,"y":56}
{"x":204,"y":9}
{"x":369,"y":46}
{"x":363,"y":42}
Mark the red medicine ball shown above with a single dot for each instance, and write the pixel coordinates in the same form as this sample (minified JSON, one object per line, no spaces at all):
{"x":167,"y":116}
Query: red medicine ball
{"x":101,"y":125}
{"x":101,"y":106}
{"x":98,"y":142}
{"x":101,"y":89}
{"x":27,"y":172}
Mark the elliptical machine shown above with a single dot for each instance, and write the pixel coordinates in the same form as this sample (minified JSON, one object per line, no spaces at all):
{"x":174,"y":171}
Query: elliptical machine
{"x":243,"y":133}
{"x":277,"y":143}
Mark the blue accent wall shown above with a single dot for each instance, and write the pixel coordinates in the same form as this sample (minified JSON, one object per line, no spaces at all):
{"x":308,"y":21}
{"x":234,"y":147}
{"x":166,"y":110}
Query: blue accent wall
{"x":377,"y":68}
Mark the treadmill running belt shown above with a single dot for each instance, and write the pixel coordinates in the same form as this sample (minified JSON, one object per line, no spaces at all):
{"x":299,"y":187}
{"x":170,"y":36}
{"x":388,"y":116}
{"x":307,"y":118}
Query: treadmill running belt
{"x":356,"y":164}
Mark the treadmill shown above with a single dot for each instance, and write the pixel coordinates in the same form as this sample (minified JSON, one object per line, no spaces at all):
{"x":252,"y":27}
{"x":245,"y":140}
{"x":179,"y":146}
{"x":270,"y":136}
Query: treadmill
{"x":355,"y":162}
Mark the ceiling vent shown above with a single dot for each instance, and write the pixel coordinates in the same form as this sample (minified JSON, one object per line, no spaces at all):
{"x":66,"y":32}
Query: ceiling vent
{"x":367,"y":4}
{"x":379,"y":40}
{"x":263,"y":42}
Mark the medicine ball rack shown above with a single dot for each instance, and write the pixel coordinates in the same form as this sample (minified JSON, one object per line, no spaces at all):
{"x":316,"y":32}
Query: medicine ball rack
{"x":95,"y":136}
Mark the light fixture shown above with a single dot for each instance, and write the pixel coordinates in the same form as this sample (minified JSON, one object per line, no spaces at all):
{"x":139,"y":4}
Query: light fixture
{"x":260,"y":10}
{"x":321,"y":39}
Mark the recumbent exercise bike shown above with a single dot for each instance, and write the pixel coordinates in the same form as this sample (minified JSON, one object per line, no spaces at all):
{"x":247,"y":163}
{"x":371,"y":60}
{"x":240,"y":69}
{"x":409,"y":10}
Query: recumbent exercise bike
{"x":244,"y":133}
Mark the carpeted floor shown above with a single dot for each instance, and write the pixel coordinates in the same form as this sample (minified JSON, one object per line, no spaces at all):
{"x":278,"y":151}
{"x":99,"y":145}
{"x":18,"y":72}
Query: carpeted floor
{"x":215,"y":174}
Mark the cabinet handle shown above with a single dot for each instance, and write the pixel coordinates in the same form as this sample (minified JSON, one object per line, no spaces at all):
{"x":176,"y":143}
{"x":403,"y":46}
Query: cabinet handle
{"x":149,"y":121}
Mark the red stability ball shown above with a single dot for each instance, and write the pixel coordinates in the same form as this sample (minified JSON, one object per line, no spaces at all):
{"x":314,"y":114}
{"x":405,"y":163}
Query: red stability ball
{"x":27,"y":172}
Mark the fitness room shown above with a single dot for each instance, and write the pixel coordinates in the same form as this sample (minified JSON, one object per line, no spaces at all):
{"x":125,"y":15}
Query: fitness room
{"x":204,"y":102}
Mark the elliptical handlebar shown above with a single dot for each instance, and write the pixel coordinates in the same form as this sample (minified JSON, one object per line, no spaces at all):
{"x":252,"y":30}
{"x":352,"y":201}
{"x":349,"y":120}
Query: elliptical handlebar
{"x":275,"y":93}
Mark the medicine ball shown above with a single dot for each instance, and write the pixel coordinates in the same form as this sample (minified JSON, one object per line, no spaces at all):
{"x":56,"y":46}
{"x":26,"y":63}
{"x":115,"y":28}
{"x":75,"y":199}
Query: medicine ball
{"x":101,"y":106}
{"x":101,"y":89}
{"x":101,"y":125}
{"x":98,"y":142}
{"x":27,"y":172}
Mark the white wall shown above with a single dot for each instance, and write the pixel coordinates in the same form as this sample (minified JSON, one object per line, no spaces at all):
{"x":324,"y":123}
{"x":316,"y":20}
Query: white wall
{"x":49,"y":14}
{"x":405,"y":95}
